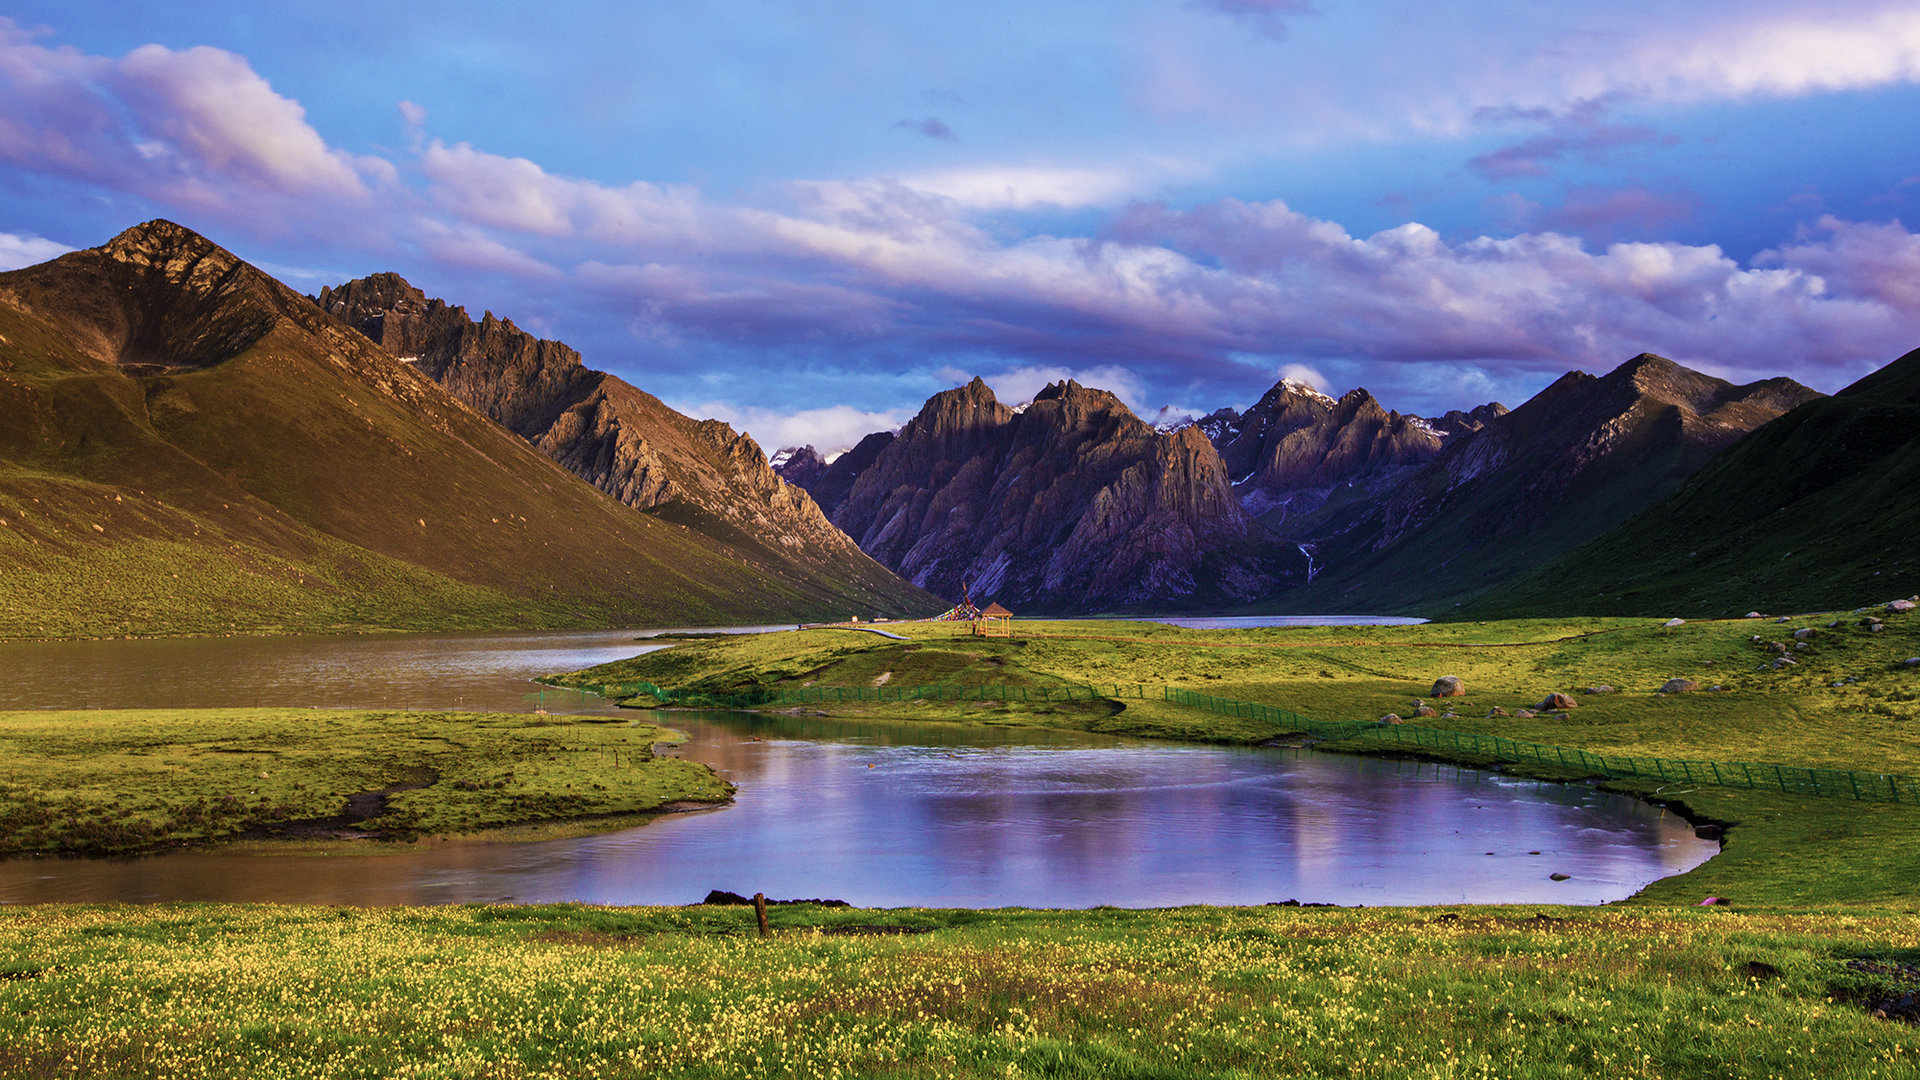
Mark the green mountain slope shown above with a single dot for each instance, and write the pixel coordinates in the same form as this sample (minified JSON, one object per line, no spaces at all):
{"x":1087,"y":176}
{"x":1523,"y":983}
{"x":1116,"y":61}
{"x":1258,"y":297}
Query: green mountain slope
{"x":1816,"y":510}
{"x":1571,"y":463}
{"x":187,"y":446}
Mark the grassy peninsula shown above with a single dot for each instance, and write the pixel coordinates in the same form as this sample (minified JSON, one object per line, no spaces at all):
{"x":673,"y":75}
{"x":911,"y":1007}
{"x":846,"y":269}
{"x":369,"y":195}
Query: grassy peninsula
{"x":100,"y":782}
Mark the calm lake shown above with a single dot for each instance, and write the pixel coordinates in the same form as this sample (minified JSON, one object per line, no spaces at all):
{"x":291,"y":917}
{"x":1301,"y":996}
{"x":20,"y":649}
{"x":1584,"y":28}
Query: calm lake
{"x":875,"y":814}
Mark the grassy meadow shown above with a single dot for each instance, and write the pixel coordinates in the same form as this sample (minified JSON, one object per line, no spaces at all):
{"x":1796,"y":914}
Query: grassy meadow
{"x":1811,"y":968}
{"x":101,"y":782}
{"x":573,"y":991}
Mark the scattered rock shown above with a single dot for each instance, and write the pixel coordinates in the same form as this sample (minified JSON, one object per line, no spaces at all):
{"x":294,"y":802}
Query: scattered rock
{"x":1558,"y":876}
{"x":1425,"y":710}
{"x":1562,"y":716}
{"x":1711,"y":901}
{"x":1715,"y":688}
{"x":1900,"y":605}
{"x":1805,"y":633}
{"x":1876,"y":628}
{"x":1392,"y":718}
{"x":1755,"y":615}
{"x":1913,"y":661}
{"x":1784,"y":618}
{"x":1835,"y":624}
{"x":1783,"y":662}
{"x":1556,"y":700}
{"x":1671,"y":623}
{"x":1603,"y":688}
{"x":1449,"y":686}
{"x":1498,"y":711}
{"x":1524,"y":714}
{"x":1777,"y":646}
{"x":1679,"y":686}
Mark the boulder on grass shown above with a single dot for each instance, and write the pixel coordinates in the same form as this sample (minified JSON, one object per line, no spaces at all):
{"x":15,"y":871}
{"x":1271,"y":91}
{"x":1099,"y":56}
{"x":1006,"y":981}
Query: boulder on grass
{"x":1900,"y":605}
{"x":1524,"y":714}
{"x":1679,"y":686}
{"x":1556,"y":700}
{"x":1804,"y":633}
{"x":1392,"y":718}
{"x":1449,"y":686}
{"x":1671,"y":623}
{"x":1602,"y":688}
{"x":1498,"y":711}
{"x":1425,"y":710}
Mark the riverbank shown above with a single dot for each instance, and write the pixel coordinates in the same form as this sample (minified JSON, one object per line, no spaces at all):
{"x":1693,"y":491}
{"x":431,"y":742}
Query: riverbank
{"x":571,"y":990}
{"x":115,"y":782}
{"x":1847,"y":700}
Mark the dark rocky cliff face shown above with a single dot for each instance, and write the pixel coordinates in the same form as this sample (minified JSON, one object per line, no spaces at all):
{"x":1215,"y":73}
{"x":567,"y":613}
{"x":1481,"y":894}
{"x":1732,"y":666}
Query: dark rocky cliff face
{"x":1297,"y":447}
{"x":1578,"y":458}
{"x":1070,"y":504}
{"x":617,"y":437}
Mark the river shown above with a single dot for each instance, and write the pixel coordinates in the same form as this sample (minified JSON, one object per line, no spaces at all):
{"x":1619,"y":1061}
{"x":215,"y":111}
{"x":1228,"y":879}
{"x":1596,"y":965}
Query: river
{"x":878,"y":814}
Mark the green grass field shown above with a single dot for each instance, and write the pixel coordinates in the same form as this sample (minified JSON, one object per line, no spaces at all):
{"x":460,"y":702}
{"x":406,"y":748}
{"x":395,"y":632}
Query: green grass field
{"x":571,"y":991}
{"x":103,"y":782}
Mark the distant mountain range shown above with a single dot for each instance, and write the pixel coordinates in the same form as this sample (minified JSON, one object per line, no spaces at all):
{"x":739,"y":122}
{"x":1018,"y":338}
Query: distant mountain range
{"x":187,"y":446}
{"x":1304,"y":503}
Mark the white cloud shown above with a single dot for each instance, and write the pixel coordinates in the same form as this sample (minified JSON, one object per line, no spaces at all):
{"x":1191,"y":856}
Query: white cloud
{"x":832,"y":430}
{"x":1020,"y":188}
{"x":17,"y":250}
{"x":1301,"y":373}
{"x":210,"y":106}
{"x":1787,"y":55}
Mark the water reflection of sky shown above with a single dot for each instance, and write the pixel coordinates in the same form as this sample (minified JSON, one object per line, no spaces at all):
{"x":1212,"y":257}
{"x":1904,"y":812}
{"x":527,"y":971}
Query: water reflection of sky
{"x":881,"y":813}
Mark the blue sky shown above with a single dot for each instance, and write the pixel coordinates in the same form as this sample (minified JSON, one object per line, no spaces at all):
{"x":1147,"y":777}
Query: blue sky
{"x":805,"y":219}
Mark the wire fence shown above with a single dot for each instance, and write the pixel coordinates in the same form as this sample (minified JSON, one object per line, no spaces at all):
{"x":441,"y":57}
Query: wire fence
{"x":1788,"y":779}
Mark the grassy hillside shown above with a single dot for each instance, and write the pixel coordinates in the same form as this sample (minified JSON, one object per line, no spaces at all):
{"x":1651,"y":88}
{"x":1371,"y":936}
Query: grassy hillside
{"x":186,"y":446}
{"x":1816,"y":508}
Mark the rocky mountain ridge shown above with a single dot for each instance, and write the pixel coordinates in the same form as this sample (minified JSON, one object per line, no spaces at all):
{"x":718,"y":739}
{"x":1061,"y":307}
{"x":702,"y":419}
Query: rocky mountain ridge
{"x":620,"y":439}
{"x":1071,"y":503}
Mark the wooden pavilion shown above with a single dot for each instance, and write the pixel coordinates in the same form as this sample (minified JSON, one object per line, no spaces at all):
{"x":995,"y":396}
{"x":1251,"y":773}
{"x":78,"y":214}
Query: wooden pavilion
{"x":995,"y":621}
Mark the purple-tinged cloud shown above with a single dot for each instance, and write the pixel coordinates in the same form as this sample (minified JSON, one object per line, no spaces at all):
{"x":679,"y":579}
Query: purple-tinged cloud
{"x":1580,"y":132}
{"x":196,"y":129}
{"x":1266,"y":17}
{"x":932,"y":127}
{"x":1600,"y":213}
